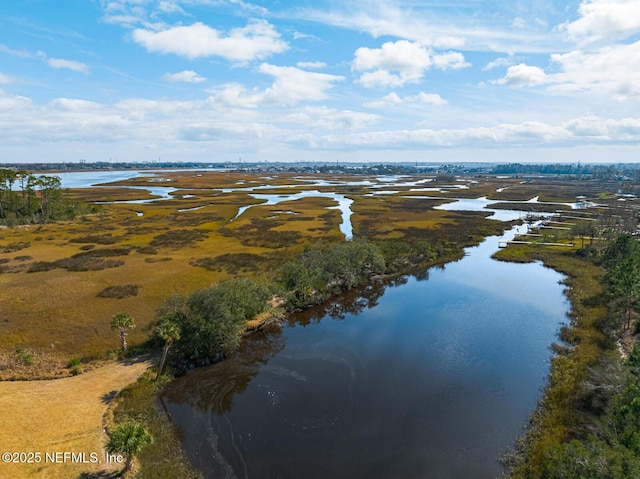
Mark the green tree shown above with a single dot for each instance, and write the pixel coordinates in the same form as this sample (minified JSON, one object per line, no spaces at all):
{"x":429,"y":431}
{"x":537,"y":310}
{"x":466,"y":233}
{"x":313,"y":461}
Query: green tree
{"x":621,"y":260}
{"x":168,"y":319}
{"x":210,"y":320}
{"x":122,"y":322}
{"x":128,"y":439}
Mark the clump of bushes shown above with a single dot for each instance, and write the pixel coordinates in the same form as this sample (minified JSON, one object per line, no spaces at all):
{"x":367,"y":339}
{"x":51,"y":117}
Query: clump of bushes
{"x":83,"y":263}
{"x":327,"y":270}
{"x":147,"y":250}
{"x":74,"y":366}
{"x":179,"y":238}
{"x":119,"y":291}
{"x":157,"y":260}
{"x":234,"y":263}
{"x":11,"y":247}
{"x":24,"y":356}
{"x":105,"y":239}
{"x":103,"y":252}
{"x":260,"y":232}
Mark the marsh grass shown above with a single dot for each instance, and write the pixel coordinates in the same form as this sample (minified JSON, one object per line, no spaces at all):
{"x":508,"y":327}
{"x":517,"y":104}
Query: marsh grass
{"x":233,"y":263}
{"x":164,"y":458}
{"x":53,"y":297}
{"x":176,"y":239}
{"x":12,"y":247}
{"x":119,"y":291}
{"x":558,"y":417}
{"x":106,"y":238}
{"x":87,"y":263}
{"x":27,"y":363}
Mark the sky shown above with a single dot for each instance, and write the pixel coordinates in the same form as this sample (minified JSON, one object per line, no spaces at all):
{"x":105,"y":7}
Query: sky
{"x":320,"y":81}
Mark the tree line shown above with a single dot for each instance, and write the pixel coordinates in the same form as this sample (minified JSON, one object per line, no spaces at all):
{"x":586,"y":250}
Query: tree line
{"x":29,"y":198}
{"x":204,"y":326}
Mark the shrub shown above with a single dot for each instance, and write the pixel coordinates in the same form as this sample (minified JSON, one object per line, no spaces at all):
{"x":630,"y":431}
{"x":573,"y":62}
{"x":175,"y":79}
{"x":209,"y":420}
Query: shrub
{"x":88,"y":264}
{"x":11,"y":247}
{"x":119,"y":291}
{"x":99,"y":239}
{"x":24,"y":356}
{"x":74,"y":366}
{"x":178,"y":238}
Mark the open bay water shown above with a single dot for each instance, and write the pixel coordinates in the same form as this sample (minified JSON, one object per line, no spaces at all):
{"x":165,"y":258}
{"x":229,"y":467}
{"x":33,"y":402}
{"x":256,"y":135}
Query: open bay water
{"x":425,"y":377}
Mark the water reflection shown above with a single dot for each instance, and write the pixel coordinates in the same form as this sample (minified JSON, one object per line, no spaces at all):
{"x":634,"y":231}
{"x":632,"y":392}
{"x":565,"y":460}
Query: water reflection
{"x":213,"y":388}
{"x":421,"y":377}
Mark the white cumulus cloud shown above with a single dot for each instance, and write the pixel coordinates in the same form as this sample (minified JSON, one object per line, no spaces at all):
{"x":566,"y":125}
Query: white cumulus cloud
{"x":259,"y":39}
{"x":291,"y":86}
{"x":613,"y":70}
{"x":186,"y":76}
{"x":397,"y":63}
{"x":523,"y":75}
{"x":605,"y":20}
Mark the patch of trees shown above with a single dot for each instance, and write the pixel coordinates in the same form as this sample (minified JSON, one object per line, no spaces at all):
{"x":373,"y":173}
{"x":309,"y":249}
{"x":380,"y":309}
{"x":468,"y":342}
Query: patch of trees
{"x":28,"y":198}
{"x":544,"y":169}
{"x":621,"y":260}
{"x":204,"y":326}
{"x":328,"y":270}
{"x":208,"y":323}
{"x":610,"y":447}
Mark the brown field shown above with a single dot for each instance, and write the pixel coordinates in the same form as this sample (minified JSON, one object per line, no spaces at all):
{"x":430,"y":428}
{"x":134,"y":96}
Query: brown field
{"x":60,"y":415}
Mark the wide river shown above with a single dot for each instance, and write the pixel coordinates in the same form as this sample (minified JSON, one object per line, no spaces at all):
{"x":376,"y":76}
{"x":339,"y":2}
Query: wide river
{"x":430,"y":377}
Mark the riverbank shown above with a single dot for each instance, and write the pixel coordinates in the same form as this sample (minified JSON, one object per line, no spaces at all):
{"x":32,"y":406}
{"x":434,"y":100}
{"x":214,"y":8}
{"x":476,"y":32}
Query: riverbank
{"x":561,"y":414}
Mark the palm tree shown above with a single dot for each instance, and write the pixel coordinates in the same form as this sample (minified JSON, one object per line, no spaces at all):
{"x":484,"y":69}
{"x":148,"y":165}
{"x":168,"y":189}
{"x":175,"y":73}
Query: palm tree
{"x":128,"y":439}
{"x":169,"y":331}
{"x":122,"y":322}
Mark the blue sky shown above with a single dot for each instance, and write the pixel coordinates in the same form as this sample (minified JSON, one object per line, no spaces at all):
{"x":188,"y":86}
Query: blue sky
{"x":323,"y":80}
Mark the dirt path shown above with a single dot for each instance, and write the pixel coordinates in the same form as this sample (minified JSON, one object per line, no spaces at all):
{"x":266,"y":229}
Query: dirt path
{"x":58,"y":416}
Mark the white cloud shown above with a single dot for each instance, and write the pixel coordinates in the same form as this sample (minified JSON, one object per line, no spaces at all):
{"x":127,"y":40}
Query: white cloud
{"x":380,"y":78}
{"x":166,"y":6}
{"x":331,"y":119}
{"x":74,"y":105}
{"x":498,"y":62}
{"x":423,"y":22}
{"x":293,"y":85}
{"x":523,"y":75}
{"x":187,"y":76}
{"x":519,"y":22}
{"x":17,"y":53}
{"x":604,"y":20}
{"x":69,"y":64}
{"x":311,"y":64}
{"x":259,"y":39}
{"x":290,"y":87}
{"x":612,"y":71}
{"x":421,"y":98}
{"x":5,"y":79}
{"x":533,"y":134}
{"x":397,"y":63}
{"x":450,"y":61}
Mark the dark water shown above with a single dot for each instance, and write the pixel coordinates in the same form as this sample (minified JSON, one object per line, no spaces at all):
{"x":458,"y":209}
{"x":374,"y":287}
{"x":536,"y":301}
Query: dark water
{"x":425,"y":378}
